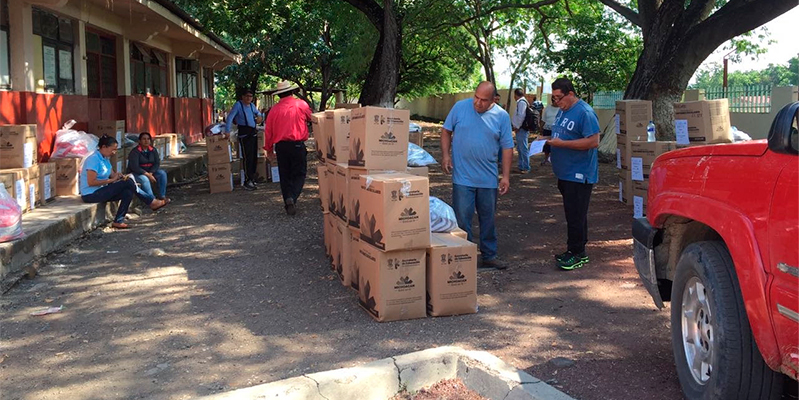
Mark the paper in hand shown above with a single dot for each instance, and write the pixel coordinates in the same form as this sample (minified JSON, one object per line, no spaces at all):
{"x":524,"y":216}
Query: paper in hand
{"x":536,"y":147}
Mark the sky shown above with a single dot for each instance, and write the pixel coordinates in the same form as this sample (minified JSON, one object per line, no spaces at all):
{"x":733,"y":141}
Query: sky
{"x":781,"y":30}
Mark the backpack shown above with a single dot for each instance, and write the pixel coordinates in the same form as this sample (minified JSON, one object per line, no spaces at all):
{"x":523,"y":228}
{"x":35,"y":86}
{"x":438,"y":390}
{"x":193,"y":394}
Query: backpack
{"x":532,"y":115}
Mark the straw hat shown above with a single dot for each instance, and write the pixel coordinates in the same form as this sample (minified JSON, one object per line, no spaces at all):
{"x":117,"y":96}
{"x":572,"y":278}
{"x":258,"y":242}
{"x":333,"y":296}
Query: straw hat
{"x":284,"y":86}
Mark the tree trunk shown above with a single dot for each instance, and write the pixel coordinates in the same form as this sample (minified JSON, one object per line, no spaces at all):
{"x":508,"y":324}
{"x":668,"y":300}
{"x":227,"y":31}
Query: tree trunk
{"x":380,"y":86}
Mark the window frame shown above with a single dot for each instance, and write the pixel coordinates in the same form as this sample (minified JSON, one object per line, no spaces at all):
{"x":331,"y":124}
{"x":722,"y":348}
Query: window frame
{"x":149,"y":60}
{"x":186,"y":78}
{"x":100,"y":58}
{"x":58,"y":44}
{"x":4,"y":26}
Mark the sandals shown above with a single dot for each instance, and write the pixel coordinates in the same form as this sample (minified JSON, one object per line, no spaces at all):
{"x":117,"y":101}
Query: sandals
{"x":154,"y":206}
{"x":119,"y":225}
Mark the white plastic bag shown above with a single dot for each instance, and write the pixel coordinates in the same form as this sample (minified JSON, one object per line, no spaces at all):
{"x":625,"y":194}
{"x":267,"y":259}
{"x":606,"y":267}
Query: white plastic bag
{"x":10,"y":217}
{"x":739,"y":136}
{"x":443,"y":218}
{"x":72,"y":143}
{"x":418,"y":157}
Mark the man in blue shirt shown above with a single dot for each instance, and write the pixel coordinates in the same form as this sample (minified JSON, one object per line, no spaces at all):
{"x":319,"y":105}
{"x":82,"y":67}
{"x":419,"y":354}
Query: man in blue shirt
{"x":576,"y":135}
{"x":245,"y":114}
{"x":478,"y":128}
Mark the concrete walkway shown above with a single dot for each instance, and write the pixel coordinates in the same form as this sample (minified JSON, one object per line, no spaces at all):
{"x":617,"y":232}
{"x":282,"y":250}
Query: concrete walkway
{"x":50,"y":227}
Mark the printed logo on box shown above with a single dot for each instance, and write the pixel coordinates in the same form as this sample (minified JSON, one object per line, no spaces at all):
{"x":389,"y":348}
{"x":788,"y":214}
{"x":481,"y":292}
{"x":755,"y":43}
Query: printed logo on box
{"x":393,"y":263}
{"x":456,"y":277}
{"x":388,"y":137}
{"x":404,"y":283}
{"x":408,"y":214}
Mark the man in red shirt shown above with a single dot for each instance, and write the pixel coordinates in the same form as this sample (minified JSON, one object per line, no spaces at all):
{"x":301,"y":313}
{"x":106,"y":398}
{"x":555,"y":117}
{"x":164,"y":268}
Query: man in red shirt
{"x":285,"y":133}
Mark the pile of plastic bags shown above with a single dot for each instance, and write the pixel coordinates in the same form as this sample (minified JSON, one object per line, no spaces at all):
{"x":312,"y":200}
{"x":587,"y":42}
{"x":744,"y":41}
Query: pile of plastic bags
{"x":72,"y":143}
{"x":443,"y":218}
{"x":418,"y":157}
{"x":10,"y":217}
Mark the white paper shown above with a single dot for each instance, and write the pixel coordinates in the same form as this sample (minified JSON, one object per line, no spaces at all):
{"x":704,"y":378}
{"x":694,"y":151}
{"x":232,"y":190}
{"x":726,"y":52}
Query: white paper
{"x":241,"y":177}
{"x":49,"y":60}
{"x":27,"y":154}
{"x":19,"y":191}
{"x":637,"y":172}
{"x":119,"y":138}
{"x":536,"y":147}
{"x":619,"y":159}
{"x":616,"y":123}
{"x":638,"y":207}
{"x":65,"y":61}
{"x":32,"y":195}
{"x":276,"y":177}
{"x":119,"y":166}
{"x":47,"y":193}
{"x":682,"y":131}
{"x":620,"y":192}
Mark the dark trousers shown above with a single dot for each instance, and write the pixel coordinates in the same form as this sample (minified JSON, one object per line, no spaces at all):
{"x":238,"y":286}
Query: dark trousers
{"x":248,"y":143}
{"x":576,"y":208}
{"x":122,"y":191}
{"x":292,"y":168}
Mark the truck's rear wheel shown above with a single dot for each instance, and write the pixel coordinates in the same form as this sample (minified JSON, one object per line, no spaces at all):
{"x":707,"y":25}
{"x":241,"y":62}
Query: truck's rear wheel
{"x":715,"y":353}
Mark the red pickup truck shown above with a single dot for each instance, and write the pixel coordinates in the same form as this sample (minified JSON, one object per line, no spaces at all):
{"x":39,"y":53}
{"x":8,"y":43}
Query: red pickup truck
{"x":720,"y":241}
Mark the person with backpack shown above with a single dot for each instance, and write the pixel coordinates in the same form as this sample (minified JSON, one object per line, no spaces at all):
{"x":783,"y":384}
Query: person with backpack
{"x":246,"y":116}
{"x":522,"y":125}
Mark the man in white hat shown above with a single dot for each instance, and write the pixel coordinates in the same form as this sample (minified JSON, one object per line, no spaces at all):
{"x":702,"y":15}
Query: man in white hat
{"x":285,"y":133}
{"x":245,"y":114}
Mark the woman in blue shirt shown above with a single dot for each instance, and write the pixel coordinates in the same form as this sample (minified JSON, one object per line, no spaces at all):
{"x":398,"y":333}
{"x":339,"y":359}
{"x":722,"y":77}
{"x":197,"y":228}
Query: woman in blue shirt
{"x":99,"y":184}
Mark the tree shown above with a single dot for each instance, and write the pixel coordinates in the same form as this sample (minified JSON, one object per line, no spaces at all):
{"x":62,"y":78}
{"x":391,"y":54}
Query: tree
{"x":775,"y":75}
{"x":677,"y":36}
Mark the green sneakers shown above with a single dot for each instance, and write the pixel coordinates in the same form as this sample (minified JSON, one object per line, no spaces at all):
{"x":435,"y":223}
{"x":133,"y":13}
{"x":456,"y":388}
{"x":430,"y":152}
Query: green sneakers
{"x":569,"y":261}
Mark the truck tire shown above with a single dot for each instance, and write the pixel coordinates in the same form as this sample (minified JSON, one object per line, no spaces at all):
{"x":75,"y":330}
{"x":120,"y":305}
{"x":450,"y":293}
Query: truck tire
{"x":715,"y":353}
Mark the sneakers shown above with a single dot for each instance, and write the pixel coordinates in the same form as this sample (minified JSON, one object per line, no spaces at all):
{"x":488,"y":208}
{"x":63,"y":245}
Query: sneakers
{"x":569,"y":261}
{"x":249,"y":186}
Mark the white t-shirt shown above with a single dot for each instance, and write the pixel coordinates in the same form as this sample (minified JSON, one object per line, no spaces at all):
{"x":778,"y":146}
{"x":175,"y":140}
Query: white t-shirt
{"x":549,"y":116}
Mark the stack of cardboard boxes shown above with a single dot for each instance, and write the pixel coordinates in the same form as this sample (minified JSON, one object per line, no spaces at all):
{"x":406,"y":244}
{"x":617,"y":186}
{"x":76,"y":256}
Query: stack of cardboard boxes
{"x":220,"y":164}
{"x":30,"y":183}
{"x":696,"y":123}
{"x":377,"y":222}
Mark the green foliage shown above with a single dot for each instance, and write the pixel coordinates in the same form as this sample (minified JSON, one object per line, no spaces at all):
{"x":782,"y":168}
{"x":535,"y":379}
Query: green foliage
{"x":776,"y":75}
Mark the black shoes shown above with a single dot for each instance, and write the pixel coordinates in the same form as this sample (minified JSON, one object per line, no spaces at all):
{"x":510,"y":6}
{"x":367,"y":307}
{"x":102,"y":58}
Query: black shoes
{"x":290,"y":207}
{"x":493,"y":264}
{"x":249,"y":186}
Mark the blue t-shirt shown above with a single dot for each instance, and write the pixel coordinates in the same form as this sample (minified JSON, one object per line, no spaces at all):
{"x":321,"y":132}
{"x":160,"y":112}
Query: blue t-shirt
{"x":97,"y":163}
{"x":580,"y":121}
{"x":476,"y":138}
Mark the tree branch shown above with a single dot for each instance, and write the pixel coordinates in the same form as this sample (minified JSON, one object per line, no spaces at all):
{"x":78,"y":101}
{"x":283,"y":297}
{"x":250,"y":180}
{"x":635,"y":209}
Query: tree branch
{"x":500,"y":7}
{"x":371,"y":9}
{"x":626,"y":12}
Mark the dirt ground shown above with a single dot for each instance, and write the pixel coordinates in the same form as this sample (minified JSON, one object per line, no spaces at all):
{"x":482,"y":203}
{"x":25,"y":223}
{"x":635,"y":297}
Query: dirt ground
{"x":243,"y":295}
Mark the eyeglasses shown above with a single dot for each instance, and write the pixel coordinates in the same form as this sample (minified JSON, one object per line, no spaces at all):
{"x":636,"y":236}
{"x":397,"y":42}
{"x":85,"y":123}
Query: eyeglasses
{"x":558,"y":98}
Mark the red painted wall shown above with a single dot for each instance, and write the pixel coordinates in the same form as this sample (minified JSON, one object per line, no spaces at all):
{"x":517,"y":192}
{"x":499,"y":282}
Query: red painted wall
{"x":148,"y":114}
{"x":142,"y":113}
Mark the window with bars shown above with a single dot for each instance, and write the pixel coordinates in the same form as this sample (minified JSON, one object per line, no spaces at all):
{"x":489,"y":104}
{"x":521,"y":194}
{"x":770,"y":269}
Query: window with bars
{"x":208,"y":82}
{"x":101,"y":65}
{"x":148,"y":70}
{"x":5,"y":57}
{"x":58,"y":42}
{"x":186,"y":77}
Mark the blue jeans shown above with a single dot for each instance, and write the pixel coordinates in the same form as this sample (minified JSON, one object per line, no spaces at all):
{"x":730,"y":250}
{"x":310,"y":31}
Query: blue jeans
{"x":524,"y":162}
{"x":122,"y":191}
{"x":467,"y":200}
{"x":146,"y":187}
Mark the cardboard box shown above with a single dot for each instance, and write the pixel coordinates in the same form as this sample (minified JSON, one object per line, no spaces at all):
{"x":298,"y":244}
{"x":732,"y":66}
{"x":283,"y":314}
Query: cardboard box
{"x":47,"y":182}
{"x":416,"y":137}
{"x":326,"y":234}
{"x":458,"y":232}
{"x":319,"y":134}
{"x":263,"y":168}
{"x":260,"y":137}
{"x":639,"y":198}
{"x":219,"y":150}
{"x":707,"y":122}
{"x":643,"y":154}
{"x":220,"y":178}
{"x":395,"y":213}
{"x":451,"y":276}
{"x":34,"y":189}
{"x":333,"y":245}
{"x":161,"y":144}
{"x":16,"y":183}
{"x":349,"y":106}
{"x":418,"y":171}
{"x":355,"y":243}
{"x":18,"y":146}
{"x":337,"y":135}
{"x":341,"y":191}
{"x":623,"y":156}
{"x":67,"y":176}
{"x":634,"y":115}
{"x":323,"y":179}
{"x":625,"y":188}
{"x":173,"y":144}
{"x":391,"y":284}
{"x":119,"y":161}
{"x":344,"y":261}
{"x":379,"y":138}
{"x":110,"y":127}
{"x":331,"y":196}
{"x":354,"y":194}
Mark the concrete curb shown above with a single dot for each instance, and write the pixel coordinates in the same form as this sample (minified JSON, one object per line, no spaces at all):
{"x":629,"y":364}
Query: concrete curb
{"x":382,"y":379}
{"x":55,"y":225}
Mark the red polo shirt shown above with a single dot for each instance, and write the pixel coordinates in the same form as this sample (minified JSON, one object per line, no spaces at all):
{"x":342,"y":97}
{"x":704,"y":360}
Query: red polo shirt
{"x":286,"y":121}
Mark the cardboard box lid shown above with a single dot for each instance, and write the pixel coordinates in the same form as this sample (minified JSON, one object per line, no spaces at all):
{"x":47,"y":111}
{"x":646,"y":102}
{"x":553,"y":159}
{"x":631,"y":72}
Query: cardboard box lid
{"x":24,"y":130}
